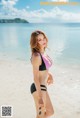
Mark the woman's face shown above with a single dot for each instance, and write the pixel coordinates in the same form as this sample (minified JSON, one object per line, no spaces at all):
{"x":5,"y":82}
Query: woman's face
{"x":41,"y":40}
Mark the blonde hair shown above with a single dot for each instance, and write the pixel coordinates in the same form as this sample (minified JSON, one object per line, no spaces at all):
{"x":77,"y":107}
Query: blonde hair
{"x":33,"y":41}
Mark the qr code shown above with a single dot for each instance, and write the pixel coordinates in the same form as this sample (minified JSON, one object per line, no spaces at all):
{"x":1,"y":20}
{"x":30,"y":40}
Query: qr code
{"x":6,"y":111}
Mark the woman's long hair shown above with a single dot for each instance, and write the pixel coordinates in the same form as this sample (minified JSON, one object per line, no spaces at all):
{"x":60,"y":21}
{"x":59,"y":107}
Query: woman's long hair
{"x":34,"y":41}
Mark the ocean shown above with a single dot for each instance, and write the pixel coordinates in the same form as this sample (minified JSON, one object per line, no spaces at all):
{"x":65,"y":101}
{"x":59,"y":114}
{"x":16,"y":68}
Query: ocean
{"x":63,"y":41}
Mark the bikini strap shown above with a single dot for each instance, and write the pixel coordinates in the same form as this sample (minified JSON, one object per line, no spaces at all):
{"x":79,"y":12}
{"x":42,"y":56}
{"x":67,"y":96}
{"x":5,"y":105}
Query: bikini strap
{"x":40,"y":54}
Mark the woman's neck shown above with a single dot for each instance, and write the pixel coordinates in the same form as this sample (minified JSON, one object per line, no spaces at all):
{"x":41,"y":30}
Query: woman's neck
{"x":42,"y":51}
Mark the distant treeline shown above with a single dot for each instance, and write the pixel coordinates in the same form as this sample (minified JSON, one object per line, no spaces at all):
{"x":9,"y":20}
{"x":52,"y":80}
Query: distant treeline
{"x":16,"y":20}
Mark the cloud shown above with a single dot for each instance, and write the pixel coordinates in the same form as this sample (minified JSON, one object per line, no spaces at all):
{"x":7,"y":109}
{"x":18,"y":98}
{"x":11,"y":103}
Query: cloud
{"x":56,"y":14}
{"x":41,"y":15}
{"x":63,"y":0}
{"x":52,"y":0}
{"x":7,"y":6}
{"x":8,"y":2}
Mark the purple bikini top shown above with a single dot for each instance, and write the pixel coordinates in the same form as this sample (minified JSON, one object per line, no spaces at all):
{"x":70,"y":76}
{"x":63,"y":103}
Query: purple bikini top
{"x":46,"y":62}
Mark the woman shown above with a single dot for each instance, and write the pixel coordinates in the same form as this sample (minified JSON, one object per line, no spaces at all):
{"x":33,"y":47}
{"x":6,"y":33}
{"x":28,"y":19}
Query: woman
{"x":41,"y":63}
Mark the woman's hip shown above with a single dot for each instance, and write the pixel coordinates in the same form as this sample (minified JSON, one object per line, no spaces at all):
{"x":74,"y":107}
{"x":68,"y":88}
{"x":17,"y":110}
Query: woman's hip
{"x":33,"y":88}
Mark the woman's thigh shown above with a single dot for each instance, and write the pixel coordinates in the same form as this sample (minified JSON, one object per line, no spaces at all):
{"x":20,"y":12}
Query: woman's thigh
{"x":35,"y":100}
{"x":48,"y":105}
{"x":37,"y":106}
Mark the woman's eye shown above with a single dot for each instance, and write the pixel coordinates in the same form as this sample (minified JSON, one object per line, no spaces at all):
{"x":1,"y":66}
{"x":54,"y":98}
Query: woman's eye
{"x":39,"y":40}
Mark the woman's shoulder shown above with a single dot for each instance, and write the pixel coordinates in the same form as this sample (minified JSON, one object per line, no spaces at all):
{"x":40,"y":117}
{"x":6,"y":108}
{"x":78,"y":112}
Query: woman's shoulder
{"x":36,"y":54}
{"x":36,"y":57}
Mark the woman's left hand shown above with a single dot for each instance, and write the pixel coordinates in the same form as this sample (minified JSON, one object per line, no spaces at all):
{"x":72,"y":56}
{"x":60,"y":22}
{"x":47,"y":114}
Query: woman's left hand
{"x":50,"y":79}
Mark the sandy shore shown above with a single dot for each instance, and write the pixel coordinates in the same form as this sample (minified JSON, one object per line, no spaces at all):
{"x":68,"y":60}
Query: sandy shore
{"x":16,"y":78}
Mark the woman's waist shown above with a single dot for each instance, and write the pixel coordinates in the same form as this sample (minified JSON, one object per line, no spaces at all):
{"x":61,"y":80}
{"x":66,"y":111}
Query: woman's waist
{"x":43,"y":80}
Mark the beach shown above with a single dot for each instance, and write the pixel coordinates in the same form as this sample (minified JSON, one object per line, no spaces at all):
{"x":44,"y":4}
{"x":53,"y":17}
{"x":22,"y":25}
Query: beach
{"x":16,"y":74}
{"x":15,"y":80}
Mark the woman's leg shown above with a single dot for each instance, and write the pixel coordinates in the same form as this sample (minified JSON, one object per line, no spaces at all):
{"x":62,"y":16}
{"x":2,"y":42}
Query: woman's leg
{"x":42,"y":115}
{"x":48,"y":106}
{"x":47,"y":103}
{"x":39,"y":110}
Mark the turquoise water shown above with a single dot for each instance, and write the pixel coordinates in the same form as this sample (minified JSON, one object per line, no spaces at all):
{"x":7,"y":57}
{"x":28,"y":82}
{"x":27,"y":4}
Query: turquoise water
{"x":64,"y":41}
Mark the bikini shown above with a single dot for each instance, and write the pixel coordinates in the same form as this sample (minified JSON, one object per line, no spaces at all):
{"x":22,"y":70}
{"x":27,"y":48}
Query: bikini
{"x":46,"y":64}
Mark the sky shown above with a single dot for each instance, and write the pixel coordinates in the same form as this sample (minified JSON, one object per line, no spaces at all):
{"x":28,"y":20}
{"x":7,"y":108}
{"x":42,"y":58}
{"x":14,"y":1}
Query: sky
{"x":32,"y":11}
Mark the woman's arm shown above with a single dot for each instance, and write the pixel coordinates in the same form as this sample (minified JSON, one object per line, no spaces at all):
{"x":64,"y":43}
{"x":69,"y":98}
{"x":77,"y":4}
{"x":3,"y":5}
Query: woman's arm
{"x":36,"y":60}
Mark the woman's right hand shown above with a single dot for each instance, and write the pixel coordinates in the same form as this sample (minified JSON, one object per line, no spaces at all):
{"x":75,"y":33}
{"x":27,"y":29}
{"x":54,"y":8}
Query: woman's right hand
{"x":50,"y":79}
